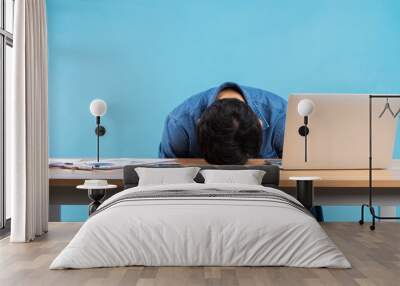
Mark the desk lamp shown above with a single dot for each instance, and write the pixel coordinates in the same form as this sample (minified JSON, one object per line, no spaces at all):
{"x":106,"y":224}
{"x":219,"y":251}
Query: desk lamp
{"x":98,"y":108}
{"x":305,"y":108}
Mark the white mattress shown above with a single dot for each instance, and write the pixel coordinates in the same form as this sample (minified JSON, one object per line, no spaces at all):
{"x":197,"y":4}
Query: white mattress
{"x":200,"y":231}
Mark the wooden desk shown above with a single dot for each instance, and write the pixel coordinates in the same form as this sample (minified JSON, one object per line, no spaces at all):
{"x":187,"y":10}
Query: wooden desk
{"x":69,"y":177}
{"x":345,"y":178}
{"x":329,"y":178}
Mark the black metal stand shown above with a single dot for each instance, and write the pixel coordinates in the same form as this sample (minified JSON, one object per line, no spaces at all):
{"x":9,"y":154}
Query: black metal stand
{"x":96,"y":195}
{"x":370,"y":187}
{"x":304,"y":131}
{"x":100,"y":131}
{"x":305,"y":195}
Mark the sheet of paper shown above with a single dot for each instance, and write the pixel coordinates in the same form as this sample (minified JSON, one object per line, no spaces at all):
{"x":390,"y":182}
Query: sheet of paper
{"x":106,"y":164}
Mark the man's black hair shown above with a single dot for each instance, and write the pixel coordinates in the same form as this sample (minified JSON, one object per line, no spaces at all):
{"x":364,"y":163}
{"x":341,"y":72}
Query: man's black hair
{"x":232,"y":87}
{"x":229,"y":132}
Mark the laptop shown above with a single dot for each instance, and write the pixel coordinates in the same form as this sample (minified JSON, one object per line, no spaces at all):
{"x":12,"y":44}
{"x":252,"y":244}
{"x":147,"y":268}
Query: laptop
{"x":339,"y":133}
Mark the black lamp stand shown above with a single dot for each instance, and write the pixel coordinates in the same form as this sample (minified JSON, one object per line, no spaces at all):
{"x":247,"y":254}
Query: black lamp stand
{"x":100,"y":131}
{"x":370,"y":187}
{"x":304,"y":131}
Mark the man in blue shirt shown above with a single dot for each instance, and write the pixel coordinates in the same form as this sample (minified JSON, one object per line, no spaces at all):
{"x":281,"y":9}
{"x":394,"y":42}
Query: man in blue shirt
{"x":226,"y":125}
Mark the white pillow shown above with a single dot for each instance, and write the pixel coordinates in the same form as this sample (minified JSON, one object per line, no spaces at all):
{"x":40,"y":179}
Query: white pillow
{"x":248,"y":177}
{"x":166,"y":176}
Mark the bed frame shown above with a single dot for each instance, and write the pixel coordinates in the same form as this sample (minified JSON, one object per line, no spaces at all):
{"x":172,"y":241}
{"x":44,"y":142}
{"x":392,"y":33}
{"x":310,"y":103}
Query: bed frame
{"x":270,"y":179}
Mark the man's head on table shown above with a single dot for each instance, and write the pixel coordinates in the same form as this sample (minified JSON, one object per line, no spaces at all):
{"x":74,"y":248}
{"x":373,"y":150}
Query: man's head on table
{"x":229,"y":132}
{"x":227,"y":124}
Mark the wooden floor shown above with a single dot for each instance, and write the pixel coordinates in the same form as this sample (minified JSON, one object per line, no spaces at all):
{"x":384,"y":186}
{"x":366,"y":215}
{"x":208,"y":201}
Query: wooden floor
{"x":375,"y":257}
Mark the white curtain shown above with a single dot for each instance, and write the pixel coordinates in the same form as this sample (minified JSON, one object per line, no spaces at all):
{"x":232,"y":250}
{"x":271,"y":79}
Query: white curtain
{"x":26,"y":124}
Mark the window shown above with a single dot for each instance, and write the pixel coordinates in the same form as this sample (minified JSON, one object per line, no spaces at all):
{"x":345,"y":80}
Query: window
{"x":6,"y":56}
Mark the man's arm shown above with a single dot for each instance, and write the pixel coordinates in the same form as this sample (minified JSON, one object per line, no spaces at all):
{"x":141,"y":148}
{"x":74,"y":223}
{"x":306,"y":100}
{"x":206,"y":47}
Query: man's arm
{"x":174,"y":141}
{"x":279,"y":133}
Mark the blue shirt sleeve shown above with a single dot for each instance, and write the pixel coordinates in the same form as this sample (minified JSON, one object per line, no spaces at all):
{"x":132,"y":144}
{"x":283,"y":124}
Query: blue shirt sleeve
{"x":279,"y":134}
{"x":174,"y":141}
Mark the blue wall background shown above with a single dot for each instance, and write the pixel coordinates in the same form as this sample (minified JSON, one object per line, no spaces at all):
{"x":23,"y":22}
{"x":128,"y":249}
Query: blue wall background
{"x":146,"y":56}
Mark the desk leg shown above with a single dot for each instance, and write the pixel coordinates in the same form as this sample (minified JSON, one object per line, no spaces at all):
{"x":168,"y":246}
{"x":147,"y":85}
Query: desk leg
{"x":96,"y":196}
{"x":317,"y":213}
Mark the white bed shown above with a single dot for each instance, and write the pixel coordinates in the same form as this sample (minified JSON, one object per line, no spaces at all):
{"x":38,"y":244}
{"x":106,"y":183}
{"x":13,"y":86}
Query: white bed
{"x":183,"y":230}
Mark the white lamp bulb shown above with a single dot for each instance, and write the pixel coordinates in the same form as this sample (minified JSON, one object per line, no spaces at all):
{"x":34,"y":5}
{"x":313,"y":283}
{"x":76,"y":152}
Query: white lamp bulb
{"x":305,"y":107}
{"x":98,"y":107}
